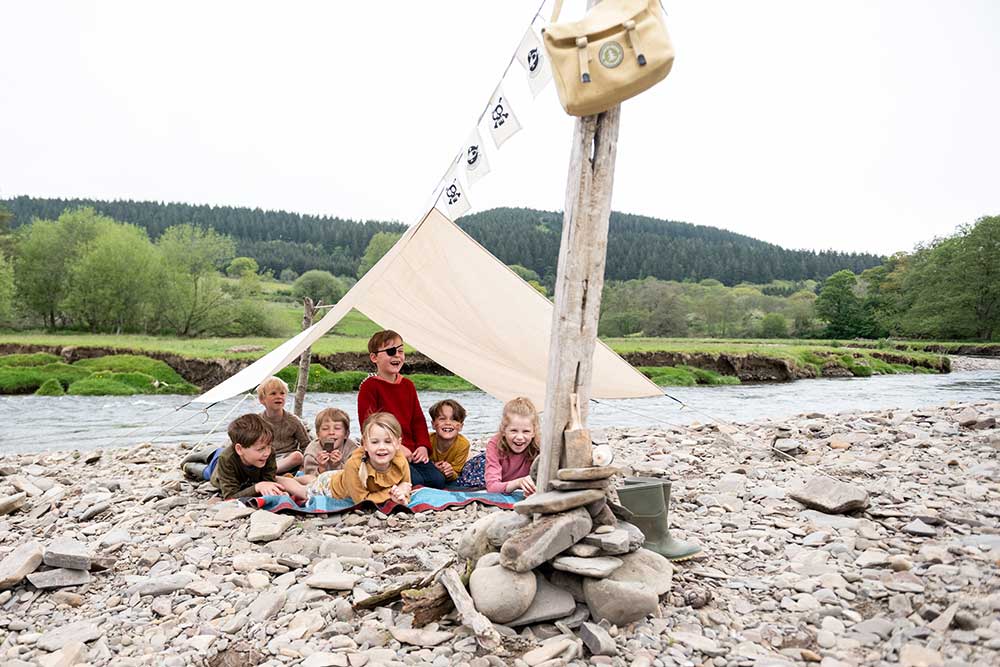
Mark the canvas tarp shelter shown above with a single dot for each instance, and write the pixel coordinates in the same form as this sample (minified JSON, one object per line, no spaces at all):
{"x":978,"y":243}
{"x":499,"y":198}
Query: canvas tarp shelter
{"x":455,"y":302}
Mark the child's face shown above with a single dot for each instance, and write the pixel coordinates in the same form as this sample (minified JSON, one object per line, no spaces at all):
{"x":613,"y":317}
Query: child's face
{"x":387,"y":365}
{"x":274,"y":399}
{"x":519,"y":433}
{"x":257,"y":454}
{"x":445,"y":424}
{"x":331,"y":432}
{"x":380,"y":446}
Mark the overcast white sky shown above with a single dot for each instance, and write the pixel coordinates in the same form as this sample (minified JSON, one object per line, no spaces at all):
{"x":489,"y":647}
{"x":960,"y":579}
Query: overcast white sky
{"x":852,"y":124}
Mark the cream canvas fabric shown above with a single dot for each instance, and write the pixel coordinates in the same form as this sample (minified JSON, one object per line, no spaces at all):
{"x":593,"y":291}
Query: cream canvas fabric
{"x":452,"y":300}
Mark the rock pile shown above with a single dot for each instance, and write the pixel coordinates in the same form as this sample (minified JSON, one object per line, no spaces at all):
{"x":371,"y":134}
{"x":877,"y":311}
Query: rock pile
{"x":564,"y":557}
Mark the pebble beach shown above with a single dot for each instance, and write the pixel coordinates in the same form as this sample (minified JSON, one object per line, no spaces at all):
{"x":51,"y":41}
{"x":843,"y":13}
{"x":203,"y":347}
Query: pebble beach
{"x":110,"y":557}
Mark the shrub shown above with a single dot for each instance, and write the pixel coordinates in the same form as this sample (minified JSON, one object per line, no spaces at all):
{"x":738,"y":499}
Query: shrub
{"x":129,"y":363}
{"x":50,"y":387}
{"x":34,"y":359}
{"x":27,"y":379}
{"x":322,"y":379}
{"x":98,"y":386}
{"x":253,"y":318}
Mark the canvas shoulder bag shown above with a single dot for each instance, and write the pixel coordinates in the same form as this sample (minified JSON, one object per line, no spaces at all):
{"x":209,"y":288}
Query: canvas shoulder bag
{"x":619,"y":49}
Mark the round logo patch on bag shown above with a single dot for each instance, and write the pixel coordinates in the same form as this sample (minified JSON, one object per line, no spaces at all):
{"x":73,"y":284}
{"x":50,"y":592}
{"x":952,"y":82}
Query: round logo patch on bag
{"x":611,"y":54}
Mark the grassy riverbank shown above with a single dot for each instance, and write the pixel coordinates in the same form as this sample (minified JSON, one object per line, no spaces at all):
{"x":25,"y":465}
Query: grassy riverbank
{"x":668,"y":361}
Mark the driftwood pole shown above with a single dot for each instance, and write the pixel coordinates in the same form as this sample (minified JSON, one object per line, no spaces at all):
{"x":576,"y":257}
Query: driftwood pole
{"x":302,"y":381}
{"x":579,"y":281}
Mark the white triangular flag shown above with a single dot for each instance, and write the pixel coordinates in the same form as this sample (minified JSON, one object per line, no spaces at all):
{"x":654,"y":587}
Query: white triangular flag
{"x":453,"y":198}
{"x":500,"y":116}
{"x":474,"y":158}
{"x":535,"y":62}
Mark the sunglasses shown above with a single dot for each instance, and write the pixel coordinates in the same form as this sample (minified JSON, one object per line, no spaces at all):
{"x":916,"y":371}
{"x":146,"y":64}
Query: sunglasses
{"x":391,"y":351}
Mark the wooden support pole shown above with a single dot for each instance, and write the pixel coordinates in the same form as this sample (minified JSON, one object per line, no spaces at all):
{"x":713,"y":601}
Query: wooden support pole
{"x":302,"y":380}
{"x":579,"y":281}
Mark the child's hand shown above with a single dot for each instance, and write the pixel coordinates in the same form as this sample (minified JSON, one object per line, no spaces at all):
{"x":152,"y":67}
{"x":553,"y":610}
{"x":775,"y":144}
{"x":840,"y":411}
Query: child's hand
{"x":526,"y":484}
{"x":322,"y":458}
{"x":400,"y":493}
{"x":407,"y":454}
{"x":335,"y":457}
{"x":445,"y":468}
{"x":420,"y":455}
{"x":268,"y":489}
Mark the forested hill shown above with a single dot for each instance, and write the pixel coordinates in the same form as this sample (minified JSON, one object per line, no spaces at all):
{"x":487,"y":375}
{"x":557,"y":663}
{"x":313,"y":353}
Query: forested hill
{"x":637,"y":246}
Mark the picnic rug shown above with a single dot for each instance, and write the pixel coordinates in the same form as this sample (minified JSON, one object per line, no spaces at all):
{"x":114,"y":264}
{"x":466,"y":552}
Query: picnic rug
{"x":423,"y":499}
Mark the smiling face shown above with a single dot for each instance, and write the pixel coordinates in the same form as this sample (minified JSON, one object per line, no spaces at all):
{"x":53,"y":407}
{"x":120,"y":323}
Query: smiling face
{"x":388,"y":366}
{"x":445,"y":425}
{"x":257,"y":454}
{"x":380,"y":445}
{"x":519,"y":433}
{"x":331,"y":433}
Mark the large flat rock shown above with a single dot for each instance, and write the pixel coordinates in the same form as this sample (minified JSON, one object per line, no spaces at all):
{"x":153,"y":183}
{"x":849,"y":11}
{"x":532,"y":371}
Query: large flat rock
{"x":587,"y":567}
{"x":831,"y":496}
{"x":551,"y":502}
{"x":267,"y":526}
{"x":21,"y":562}
{"x":586,"y":474}
{"x":529,"y":547}
{"x":550,"y":603}
{"x":67,"y":552}
{"x":59,"y":578}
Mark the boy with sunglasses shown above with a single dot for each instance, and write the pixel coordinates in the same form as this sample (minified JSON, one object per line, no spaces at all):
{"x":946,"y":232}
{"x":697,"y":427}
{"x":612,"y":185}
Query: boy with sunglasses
{"x":386,"y":390}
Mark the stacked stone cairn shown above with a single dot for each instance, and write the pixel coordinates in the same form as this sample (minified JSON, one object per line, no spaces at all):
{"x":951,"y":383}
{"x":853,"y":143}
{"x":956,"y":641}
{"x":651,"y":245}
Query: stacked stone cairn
{"x":564,"y":557}
{"x":64,"y":562}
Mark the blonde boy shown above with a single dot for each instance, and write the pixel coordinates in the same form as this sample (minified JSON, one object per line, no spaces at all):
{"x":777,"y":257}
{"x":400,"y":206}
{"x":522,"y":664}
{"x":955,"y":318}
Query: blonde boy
{"x":331,"y":447}
{"x":290,"y":436}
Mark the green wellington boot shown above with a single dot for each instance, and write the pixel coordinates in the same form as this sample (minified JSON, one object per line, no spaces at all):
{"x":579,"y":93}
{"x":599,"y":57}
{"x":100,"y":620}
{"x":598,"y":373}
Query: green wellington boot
{"x":196,"y":461}
{"x":648,"y":498}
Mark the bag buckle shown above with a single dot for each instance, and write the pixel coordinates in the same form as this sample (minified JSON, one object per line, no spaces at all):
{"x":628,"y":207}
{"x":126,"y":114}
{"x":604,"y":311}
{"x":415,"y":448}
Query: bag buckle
{"x":633,"y":40}
{"x":584,"y":54}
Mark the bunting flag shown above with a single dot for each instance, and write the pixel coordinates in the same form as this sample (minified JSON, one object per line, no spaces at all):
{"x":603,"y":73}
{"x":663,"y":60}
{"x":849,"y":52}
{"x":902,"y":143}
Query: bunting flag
{"x":456,"y":204}
{"x":474,"y":158}
{"x":500,"y":116}
{"x":535,"y":61}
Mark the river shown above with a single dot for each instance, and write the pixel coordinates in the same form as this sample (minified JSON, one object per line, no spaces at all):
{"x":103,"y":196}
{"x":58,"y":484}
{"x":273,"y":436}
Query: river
{"x":38,"y":423}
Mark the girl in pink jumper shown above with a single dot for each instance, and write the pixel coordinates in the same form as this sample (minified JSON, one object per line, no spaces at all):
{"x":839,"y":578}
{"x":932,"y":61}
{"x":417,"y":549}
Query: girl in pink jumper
{"x":510,"y":453}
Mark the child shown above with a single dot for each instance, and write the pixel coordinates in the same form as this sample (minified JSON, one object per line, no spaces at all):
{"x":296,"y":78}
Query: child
{"x":378,"y":471}
{"x":247,"y":466}
{"x":449,"y":448}
{"x":332,"y":446}
{"x":510,"y":452}
{"x":388,"y":391}
{"x":290,"y":436}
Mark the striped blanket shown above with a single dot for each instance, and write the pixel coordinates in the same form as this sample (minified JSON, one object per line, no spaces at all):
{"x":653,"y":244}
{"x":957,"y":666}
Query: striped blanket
{"x":423,"y":499}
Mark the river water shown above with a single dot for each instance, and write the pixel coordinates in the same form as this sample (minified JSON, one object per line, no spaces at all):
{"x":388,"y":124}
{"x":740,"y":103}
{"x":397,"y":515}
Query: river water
{"x":38,"y":423}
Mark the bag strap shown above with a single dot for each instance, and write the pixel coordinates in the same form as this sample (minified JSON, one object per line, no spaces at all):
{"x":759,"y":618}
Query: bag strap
{"x":555,"y":11}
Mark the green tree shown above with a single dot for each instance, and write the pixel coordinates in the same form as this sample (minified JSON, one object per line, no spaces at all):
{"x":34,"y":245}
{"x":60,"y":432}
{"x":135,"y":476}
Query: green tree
{"x":839,"y":304}
{"x":377,"y":248}
{"x":112,"y":282}
{"x":774,"y":325}
{"x":615,"y":325}
{"x":46,"y":249}
{"x":241,"y":266}
{"x":191,"y":297}
{"x":951,"y":289}
{"x":319,"y":286}
{"x":287,"y":276}
{"x":6,"y":287}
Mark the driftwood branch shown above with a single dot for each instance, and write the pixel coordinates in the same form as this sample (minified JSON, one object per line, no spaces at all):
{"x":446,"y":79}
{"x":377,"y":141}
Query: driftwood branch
{"x":390,"y":595}
{"x":486,"y":634}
